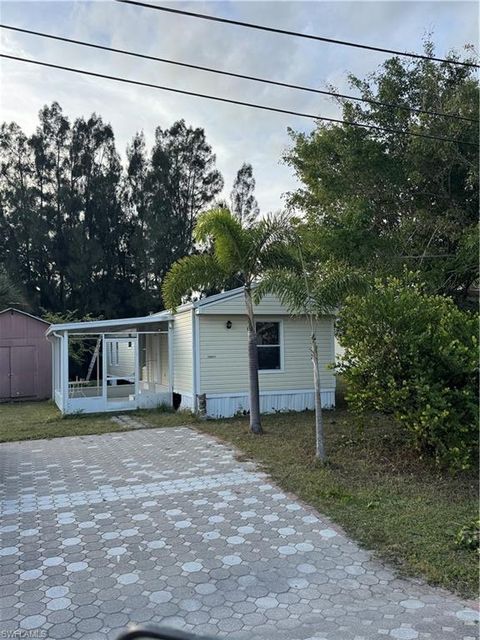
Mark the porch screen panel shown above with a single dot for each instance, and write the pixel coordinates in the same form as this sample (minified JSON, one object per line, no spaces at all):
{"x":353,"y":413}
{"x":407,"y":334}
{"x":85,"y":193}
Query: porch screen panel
{"x":85,"y":363}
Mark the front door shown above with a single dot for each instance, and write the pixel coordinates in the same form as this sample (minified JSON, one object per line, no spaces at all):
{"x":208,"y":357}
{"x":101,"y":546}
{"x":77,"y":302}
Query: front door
{"x":4,"y":372}
{"x":22,"y":371}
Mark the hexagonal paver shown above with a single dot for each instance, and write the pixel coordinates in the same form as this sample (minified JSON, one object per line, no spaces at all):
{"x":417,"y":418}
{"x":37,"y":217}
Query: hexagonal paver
{"x":166,"y":526}
{"x":32,"y":622}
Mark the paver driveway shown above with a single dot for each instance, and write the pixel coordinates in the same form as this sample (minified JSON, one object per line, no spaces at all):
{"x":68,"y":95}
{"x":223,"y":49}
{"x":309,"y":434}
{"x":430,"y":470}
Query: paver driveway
{"x":166,"y":526}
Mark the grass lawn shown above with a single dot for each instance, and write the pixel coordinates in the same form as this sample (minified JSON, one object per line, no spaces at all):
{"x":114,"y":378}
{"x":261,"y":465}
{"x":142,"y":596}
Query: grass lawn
{"x":374,"y":486}
{"x":34,"y":420}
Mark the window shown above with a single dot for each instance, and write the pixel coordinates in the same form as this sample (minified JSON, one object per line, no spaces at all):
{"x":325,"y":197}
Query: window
{"x":113,"y":355}
{"x":268,"y":346}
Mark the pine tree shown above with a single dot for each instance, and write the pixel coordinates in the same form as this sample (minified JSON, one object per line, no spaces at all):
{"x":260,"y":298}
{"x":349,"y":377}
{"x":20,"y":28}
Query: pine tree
{"x":243,"y":203}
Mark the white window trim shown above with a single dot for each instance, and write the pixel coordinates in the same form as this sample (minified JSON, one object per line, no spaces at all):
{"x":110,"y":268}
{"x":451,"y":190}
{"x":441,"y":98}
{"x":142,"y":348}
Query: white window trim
{"x":280,"y":338}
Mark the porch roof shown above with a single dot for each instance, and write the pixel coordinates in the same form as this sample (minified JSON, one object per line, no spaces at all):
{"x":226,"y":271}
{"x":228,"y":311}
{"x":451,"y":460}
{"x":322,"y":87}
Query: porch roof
{"x":107,"y":325}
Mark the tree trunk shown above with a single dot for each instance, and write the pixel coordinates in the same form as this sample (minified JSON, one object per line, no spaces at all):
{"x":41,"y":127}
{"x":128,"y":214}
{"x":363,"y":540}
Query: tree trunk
{"x":320,"y":446}
{"x":254,"y":390}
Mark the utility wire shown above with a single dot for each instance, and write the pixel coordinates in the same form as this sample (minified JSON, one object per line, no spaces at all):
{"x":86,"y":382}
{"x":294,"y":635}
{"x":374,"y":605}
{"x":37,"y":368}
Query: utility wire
{"x":297,"y":34}
{"x":231,"y":101}
{"x":144,"y":56}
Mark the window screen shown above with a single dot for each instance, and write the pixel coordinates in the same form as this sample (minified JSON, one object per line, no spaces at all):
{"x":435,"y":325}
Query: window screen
{"x":268,"y":346}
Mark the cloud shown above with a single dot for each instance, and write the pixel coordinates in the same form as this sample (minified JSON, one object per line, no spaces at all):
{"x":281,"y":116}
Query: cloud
{"x":237,"y":134}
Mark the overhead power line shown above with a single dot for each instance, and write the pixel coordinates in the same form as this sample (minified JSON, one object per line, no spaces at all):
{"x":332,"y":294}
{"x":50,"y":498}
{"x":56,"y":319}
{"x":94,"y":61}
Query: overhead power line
{"x":298,"y":34}
{"x":231,"y":101}
{"x":288,"y":85}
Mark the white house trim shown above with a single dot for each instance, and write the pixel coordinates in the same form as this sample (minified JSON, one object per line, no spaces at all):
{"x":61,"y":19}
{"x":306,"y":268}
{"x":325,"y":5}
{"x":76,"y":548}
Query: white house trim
{"x":171,"y":362}
{"x":218,"y":297}
{"x":106,"y":324}
{"x":196,"y":359}
{"x":281,"y":345}
{"x":136,"y":344}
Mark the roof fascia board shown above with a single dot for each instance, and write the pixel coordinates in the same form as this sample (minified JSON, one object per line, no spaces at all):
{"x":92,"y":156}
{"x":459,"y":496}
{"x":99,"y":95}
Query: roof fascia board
{"x":101,"y":324}
{"x":24,"y":313}
{"x":219,"y":297}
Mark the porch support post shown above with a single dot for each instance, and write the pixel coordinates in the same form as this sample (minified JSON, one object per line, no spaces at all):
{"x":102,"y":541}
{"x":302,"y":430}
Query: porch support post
{"x":171,"y":364}
{"x":104,"y":372}
{"x":137,"y":369}
{"x":64,"y":371}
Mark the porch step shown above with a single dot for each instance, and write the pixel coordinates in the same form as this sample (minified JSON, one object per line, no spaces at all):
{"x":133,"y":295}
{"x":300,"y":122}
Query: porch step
{"x":128,"y":422}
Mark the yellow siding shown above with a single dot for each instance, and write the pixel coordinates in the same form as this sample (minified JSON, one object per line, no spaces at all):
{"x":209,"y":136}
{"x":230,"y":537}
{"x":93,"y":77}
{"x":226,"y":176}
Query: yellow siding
{"x":183,"y":352}
{"x":126,"y":360}
{"x":269,"y":305}
{"x":224,"y":359}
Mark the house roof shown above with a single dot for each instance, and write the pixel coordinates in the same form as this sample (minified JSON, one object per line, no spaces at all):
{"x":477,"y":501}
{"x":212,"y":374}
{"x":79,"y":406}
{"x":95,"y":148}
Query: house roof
{"x":161,"y":316}
{"x":217,"y":297}
{"x":220,"y":298}
{"x":104,"y":325}
{"x":24,"y":313}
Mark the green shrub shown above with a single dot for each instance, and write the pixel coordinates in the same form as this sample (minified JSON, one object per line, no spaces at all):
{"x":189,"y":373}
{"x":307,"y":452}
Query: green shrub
{"x":468,"y":537}
{"x":416,"y":356}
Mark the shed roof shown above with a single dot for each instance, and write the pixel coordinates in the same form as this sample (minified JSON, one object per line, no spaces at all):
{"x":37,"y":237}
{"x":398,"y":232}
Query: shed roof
{"x":24,"y":313}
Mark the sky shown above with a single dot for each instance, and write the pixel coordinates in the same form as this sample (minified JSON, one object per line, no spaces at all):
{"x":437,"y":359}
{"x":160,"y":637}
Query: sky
{"x":237,"y":134}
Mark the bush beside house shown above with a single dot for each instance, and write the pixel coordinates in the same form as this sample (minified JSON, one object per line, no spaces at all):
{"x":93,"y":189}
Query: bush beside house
{"x":415,"y":355}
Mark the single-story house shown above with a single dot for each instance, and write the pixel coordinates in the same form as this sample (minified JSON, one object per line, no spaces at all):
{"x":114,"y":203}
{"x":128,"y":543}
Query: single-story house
{"x":25,"y":357}
{"x":194,"y":359}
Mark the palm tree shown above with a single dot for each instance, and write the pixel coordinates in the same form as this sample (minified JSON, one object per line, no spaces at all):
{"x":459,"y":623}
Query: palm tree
{"x":313,"y":289}
{"x":237,"y":252}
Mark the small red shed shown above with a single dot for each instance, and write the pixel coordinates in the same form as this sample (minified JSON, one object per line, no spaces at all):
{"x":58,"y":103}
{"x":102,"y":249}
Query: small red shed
{"x":25,"y":357}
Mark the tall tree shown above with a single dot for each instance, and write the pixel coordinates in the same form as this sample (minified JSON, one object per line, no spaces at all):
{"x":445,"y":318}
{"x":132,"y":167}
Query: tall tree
{"x":10,"y":295}
{"x":135,"y":199}
{"x":181,"y":181}
{"x":50,"y":144}
{"x":102,"y":220}
{"x":79,"y":231}
{"x":387,"y":200}
{"x":20,"y":231}
{"x":243,"y":204}
{"x":237,"y":251}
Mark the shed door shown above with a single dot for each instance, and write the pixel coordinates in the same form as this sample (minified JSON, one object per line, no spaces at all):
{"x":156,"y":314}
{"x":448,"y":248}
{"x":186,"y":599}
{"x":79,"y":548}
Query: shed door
{"x":22,"y":369}
{"x":4,"y":372}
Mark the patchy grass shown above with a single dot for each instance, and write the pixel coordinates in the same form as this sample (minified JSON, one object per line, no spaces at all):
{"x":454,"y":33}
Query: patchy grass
{"x":165,"y":417}
{"x":374,"y":486}
{"x":35,"y":420}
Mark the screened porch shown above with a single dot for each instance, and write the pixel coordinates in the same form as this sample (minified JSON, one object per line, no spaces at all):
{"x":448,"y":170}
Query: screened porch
{"x":112,"y":365}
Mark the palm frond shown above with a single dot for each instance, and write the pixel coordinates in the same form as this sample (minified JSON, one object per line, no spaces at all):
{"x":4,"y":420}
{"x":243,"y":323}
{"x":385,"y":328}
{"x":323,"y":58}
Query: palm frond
{"x":268,"y":241}
{"x":316,"y":289}
{"x":190,"y":274}
{"x":288,"y":286}
{"x":332,"y":283}
{"x":230,"y":246}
